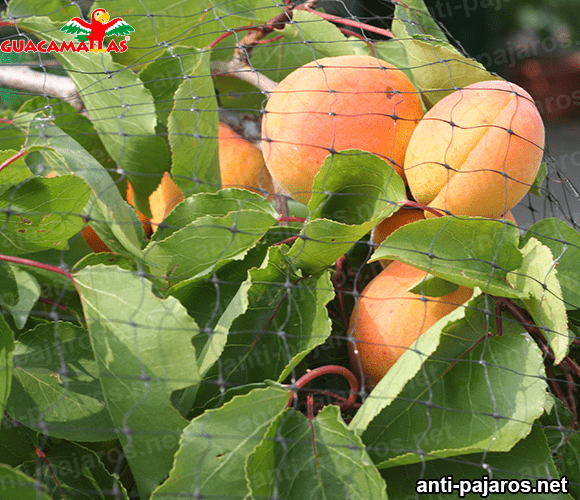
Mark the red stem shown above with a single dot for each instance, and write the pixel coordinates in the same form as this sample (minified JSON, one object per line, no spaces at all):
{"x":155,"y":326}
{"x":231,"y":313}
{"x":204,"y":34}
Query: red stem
{"x":39,"y":265}
{"x":414,"y":204}
{"x":52,"y":303}
{"x":287,"y":240}
{"x":327,"y":370}
{"x":41,"y":455}
{"x":223,"y":36}
{"x":283,"y":218}
{"x":13,"y":158}
{"x":346,"y":22}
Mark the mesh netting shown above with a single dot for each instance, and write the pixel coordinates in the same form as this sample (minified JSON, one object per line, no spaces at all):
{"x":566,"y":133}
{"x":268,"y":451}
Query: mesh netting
{"x":277,"y":251}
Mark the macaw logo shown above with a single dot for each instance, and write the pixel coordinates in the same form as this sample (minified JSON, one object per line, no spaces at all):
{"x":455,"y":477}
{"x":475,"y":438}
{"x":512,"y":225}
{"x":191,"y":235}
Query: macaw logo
{"x":95,"y":31}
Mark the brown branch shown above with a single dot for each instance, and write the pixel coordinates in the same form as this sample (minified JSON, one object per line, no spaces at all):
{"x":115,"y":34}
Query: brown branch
{"x":35,"y":82}
{"x":568,"y":366}
{"x":239,"y":69}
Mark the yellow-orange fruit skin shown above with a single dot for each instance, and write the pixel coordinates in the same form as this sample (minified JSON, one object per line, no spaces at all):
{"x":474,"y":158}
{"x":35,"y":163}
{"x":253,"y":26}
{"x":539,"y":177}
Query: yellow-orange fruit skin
{"x":241,"y":163}
{"x":386,"y":227}
{"x":164,"y":199}
{"x":477,"y":151}
{"x":388,"y":319}
{"x":333,"y":104}
{"x":143,"y":218}
{"x":92,"y":238}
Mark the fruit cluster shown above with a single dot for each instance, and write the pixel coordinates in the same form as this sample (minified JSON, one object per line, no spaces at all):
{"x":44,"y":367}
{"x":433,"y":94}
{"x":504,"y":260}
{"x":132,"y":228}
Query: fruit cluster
{"x":474,"y":153}
{"x":241,"y":165}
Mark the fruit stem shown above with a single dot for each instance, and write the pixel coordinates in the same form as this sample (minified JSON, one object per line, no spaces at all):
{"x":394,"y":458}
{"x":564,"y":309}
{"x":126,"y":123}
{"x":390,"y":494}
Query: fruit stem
{"x":327,"y":370}
{"x":414,"y":204}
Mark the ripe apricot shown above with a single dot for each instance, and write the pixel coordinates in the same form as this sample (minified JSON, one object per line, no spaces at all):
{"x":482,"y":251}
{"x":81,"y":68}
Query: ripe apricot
{"x":477,"y":151}
{"x":333,"y":104}
{"x":241,"y":163}
{"x":387,"y":319}
{"x":163,"y":199}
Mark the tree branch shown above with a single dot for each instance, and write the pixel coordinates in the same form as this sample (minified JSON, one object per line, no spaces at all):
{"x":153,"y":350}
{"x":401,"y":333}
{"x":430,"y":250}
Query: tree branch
{"x":37,"y":83}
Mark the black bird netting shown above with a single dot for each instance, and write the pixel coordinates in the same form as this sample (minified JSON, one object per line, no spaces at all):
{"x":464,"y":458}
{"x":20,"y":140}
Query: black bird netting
{"x":293,"y":250}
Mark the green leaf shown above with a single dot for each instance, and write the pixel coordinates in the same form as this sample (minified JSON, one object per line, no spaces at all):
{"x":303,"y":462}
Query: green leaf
{"x":394,"y":52}
{"x":537,"y":276}
{"x":16,"y":484}
{"x":80,"y":472}
{"x":438,"y":68}
{"x":214,"y":446}
{"x":9,"y":292}
{"x":71,"y":122}
{"x":214,"y":303}
{"x":6,"y":362}
{"x":413,"y":18}
{"x":323,"y":37}
{"x":174,"y":65}
{"x":193,"y":130}
{"x":42,"y":213}
{"x":121,"y":109}
{"x":564,"y":444}
{"x":27,"y":291}
{"x":107,"y":259}
{"x":219,"y":204}
{"x":320,"y":458}
{"x":11,"y":138}
{"x":467,"y":251}
{"x":118,"y":225}
{"x":56,"y":384}
{"x":487,"y":386}
{"x":432,"y":286}
{"x":190,"y":23}
{"x":308,"y":37}
{"x":536,"y":186}
{"x":254,"y":10}
{"x":13,"y":174}
{"x":56,"y":9}
{"x":199,"y":247}
{"x":529,"y":460}
{"x":274,"y":321}
{"x":17,"y":444}
{"x":564,"y":243}
{"x":353,"y":191}
{"x":143,"y":349}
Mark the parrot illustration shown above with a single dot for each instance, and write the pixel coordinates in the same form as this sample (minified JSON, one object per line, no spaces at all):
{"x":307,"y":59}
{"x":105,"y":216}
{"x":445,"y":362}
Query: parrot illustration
{"x":97,"y":29}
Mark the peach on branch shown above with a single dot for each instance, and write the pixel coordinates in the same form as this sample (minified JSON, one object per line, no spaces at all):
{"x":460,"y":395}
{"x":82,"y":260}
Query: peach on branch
{"x":477,"y":151}
{"x":163,"y":199}
{"x":388,"y":319}
{"x":241,"y":163}
{"x":333,"y":104}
